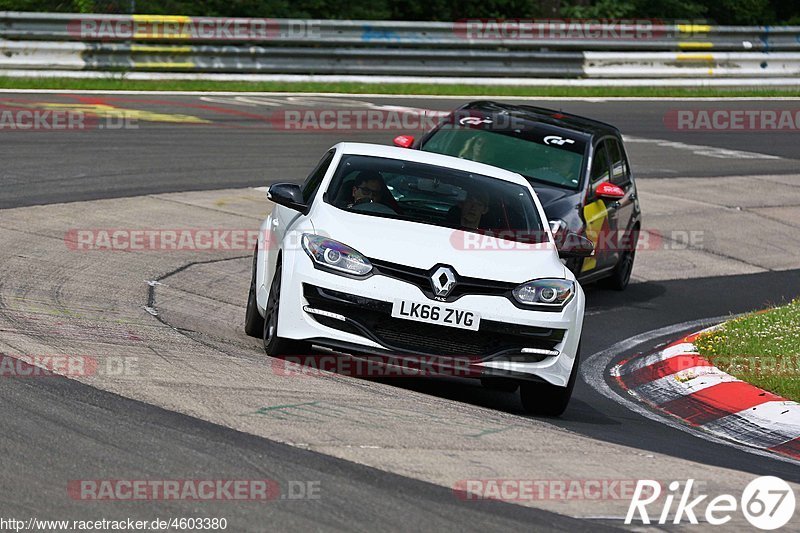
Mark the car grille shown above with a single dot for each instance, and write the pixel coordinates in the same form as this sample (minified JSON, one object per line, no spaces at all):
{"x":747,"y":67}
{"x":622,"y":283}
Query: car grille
{"x":372,"y":318}
{"x":422,"y":279}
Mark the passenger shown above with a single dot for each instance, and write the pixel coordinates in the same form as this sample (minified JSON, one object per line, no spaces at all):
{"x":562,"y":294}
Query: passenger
{"x":475,"y":149}
{"x":469,"y":213}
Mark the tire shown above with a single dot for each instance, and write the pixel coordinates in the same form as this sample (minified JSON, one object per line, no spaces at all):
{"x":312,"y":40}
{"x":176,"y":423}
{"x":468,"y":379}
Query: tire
{"x":621,"y":275}
{"x":544,"y":399}
{"x":253,"y":321}
{"x":500,"y":384}
{"x":274,"y":345}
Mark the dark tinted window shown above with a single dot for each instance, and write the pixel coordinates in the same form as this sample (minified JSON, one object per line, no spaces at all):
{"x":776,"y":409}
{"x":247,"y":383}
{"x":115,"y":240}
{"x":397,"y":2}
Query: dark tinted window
{"x":540,"y":154}
{"x":313,"y":180}
{"x":434,"y":195}
{"x":619,"y":167}
{"x":600,"y":163}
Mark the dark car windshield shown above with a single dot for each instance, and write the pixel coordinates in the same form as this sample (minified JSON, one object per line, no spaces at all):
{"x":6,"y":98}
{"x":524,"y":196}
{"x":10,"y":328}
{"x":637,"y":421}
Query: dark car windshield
{"x":435,"y":195}
{"x":536,"y":155}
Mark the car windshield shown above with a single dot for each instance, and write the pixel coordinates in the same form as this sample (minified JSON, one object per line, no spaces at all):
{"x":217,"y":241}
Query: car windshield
{"x":434,"y":195}
{"x":537,"y":156}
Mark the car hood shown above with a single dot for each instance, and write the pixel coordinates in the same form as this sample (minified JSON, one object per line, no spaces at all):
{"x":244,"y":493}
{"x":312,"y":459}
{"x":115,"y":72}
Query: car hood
{"x":559,"y":203}
{"x":423,"y":246}
{"x":550,"y":195}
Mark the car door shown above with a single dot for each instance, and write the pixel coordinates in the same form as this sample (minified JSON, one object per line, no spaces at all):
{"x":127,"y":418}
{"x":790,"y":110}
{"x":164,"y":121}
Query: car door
{"x":625,"y":207}
{"x":599,"y":213}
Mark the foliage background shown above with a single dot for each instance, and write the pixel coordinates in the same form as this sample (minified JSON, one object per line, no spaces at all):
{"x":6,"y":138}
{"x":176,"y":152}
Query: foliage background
{"x":725,"y":12}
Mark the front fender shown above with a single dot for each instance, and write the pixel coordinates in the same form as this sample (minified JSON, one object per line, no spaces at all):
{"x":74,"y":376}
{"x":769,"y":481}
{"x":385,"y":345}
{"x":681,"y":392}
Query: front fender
{"x":280,"y":231}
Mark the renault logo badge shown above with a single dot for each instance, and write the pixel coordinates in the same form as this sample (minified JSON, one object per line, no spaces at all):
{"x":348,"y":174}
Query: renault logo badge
{"x":443,"y":280}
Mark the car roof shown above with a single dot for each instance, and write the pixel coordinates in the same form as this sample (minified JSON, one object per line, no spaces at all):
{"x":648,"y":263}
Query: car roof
{"x":542,"y":115}
{"x":430,"y":158}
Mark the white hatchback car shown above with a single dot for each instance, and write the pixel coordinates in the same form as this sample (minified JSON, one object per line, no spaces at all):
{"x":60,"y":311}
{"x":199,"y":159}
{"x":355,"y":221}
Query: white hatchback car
{"x":392,"y":252}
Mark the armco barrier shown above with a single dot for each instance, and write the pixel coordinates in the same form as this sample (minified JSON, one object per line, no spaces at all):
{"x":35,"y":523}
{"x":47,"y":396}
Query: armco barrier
{"x":258,"y":59}
{"x":691,"y":65}
{"x":149,"y":43}
{"x":641,"y":35}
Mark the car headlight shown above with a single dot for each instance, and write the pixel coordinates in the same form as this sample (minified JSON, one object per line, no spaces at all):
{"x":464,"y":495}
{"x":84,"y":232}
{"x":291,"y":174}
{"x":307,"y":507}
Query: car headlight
{"x":545,"y":292}
{"x":330,"y":254}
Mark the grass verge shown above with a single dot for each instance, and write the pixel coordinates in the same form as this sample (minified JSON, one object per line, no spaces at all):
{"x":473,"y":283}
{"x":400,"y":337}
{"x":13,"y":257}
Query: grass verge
{"x":388,"y":88}
{"x":761,"y":348}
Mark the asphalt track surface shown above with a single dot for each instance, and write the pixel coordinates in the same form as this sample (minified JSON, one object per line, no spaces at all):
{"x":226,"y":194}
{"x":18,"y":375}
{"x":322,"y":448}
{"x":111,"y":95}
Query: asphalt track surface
{"x":56,"y":427}
{"x":98,"y":431}
{"x":244,"y":145}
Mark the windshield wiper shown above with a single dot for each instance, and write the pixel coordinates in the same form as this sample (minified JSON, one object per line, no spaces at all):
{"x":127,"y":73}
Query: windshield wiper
{"x":545,"y":182}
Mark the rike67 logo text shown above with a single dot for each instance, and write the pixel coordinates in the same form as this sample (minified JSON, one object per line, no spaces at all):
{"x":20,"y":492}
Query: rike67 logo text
{"x":767,"y":503}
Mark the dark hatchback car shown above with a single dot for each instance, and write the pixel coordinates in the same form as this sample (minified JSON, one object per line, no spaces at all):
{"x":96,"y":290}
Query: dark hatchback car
{"x":577,"y":166}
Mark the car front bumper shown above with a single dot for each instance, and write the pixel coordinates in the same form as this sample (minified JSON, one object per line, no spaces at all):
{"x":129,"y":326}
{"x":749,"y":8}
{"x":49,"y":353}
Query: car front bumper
{"x":354,"y":316}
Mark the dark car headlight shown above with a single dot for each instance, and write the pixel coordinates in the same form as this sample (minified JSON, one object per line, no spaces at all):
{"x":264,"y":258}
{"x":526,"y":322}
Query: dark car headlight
{"x":333,"y":255}
{"x":545,"y":292}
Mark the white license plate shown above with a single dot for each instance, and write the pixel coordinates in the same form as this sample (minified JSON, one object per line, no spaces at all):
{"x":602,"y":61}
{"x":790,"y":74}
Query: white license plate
{"x":436,"y":314}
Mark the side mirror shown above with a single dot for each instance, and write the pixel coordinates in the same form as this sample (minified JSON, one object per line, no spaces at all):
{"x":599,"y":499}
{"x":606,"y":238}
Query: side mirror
{"x":574,"y":245}
{"x":609,"y":191}
{"x":404,"y":141}
{"x":289,"y":195}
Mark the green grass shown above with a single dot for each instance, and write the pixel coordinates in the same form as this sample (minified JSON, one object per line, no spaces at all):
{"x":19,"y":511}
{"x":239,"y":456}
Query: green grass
{"x":760,"y":348}
{"x":389,"y":88}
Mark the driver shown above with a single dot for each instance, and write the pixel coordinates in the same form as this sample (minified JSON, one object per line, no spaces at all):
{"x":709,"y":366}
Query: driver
{"x":370,"y":194}
{"x":559,"y":169}
{"x":368,"y":187}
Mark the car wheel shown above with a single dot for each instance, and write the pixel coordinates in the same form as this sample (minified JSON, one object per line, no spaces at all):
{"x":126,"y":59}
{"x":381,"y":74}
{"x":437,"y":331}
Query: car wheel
{"x":253,"y":321}
{"x":273,"y":344}
{"x":500,"y":384}
{"x":621,"y":275}
{"x":544,"y":399}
